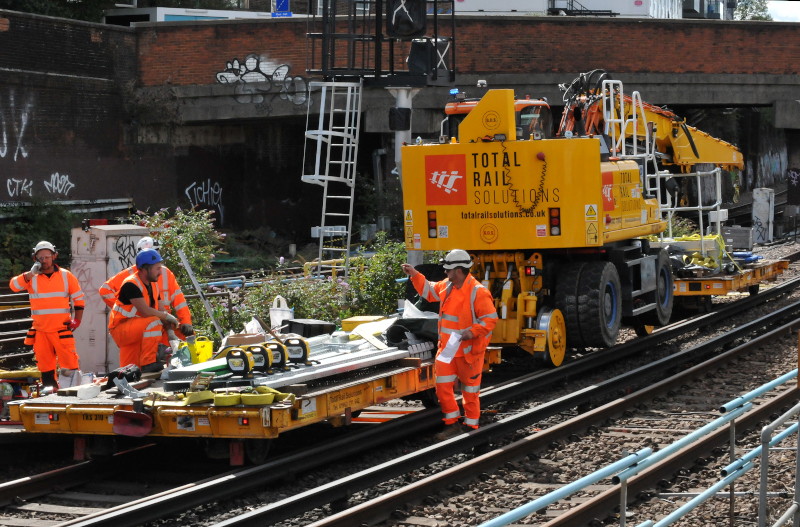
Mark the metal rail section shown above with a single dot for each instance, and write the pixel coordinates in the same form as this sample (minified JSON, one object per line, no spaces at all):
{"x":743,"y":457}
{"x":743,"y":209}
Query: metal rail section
{"x":309,"y":459}
{"x":621,"y":471}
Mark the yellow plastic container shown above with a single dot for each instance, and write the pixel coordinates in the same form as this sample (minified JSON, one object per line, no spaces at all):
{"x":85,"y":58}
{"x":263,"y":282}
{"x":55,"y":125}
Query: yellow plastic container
{"x":201,"y":350}
{"x":349,"y":324}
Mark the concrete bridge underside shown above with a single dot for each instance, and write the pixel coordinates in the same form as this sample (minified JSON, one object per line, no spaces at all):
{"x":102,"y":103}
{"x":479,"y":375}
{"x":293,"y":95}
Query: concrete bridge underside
{"x":216,"y":104}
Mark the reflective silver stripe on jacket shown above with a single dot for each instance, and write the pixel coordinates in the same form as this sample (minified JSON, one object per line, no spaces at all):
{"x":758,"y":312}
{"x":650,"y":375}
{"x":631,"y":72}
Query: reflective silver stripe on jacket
{"x":16,"y":284}
{"x":55,"y":311}
{"x":429,"y":291}
{"x":35,"y":287}
{"x":127,"y":314}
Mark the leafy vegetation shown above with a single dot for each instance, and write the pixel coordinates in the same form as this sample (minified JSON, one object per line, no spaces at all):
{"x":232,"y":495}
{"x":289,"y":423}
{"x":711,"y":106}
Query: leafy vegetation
{"x":24,"y":225}
{"x":751,"y":10}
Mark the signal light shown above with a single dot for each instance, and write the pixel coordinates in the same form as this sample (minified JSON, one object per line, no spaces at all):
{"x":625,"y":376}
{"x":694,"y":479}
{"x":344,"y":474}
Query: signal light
{"x":52,"y":417}
{"x":432,"y":225}
{"x":530,"y":271}
{"x":244,"y":421}
{"x":555,"y":221}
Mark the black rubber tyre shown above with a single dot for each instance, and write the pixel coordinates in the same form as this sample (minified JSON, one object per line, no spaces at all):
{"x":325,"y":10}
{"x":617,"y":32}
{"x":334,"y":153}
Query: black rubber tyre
{"x":566,"y":299}
{"x":599,"y":304}
{"x":257,"y":450}
{"x":663,"y":295}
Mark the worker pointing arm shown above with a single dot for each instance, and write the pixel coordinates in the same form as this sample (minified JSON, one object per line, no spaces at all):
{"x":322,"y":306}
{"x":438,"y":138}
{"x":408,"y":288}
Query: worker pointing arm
{"x":467,"y":317}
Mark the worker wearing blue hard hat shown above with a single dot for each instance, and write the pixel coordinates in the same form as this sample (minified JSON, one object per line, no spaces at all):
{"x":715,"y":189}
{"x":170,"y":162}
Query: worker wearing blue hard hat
{"x":136,"y":321}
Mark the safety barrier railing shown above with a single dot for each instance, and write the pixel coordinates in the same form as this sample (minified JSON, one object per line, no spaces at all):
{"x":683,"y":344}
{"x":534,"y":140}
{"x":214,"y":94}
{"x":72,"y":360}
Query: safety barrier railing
{"x":624,"y":469}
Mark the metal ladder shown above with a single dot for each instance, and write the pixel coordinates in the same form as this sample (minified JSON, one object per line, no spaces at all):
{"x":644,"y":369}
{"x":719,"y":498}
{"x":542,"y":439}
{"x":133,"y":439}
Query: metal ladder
{"x":335,"y":146}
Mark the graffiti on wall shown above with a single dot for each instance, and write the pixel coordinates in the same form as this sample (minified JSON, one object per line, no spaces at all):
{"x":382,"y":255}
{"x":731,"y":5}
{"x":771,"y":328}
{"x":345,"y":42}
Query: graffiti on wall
{"x":19,"y":187}
{"x":14,"y":118}
{"x":122,"y":253}
{"x":206,"y":194}
{"x":259,"y":81}
{"x":58,"y":185}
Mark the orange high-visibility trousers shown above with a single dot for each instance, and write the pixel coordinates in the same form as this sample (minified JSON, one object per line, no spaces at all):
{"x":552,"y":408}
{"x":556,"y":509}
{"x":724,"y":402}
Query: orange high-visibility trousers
{"x":54,"y":348}
{"x":469,"y":374}
{"x":138,"y":339}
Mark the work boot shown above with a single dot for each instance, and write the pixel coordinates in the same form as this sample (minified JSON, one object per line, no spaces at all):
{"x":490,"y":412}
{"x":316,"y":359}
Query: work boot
{"x":49,"y":379}
{"x":453,"y":430}
{"x":152,"y":367}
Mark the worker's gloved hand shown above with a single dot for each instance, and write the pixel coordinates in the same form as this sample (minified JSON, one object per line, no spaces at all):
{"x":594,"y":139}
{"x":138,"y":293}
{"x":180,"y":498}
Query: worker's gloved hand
{"x":36,"y":268}
{"x":74,"y":324}
{"x":187,"y":329}
{"x":466,"y":334}
{"x":170,"y":318}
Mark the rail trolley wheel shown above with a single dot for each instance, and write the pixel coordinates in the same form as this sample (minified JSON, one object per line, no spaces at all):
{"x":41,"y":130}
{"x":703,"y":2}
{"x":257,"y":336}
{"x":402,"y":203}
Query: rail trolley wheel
{"x":753,"y":289}
{"x":663,"y":295}
{"x":552,"y":321}
{"x":256,"y":450}
{"x":599,"y":304}
{"x":566,"y":300}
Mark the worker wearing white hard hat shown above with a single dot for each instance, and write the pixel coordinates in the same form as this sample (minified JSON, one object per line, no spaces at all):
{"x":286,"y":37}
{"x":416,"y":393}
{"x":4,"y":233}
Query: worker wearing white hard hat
{"x":56,"y":309}
{"x":467,"y":317}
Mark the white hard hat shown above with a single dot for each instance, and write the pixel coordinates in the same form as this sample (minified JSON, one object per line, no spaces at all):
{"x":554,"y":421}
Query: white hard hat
{"x":457,"y":258}
{"x":44,"y":245}
{"x":145,"y":243}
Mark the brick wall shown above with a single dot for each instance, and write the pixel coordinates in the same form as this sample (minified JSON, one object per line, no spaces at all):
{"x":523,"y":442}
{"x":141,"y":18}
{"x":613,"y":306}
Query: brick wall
{"x":184,"y":55}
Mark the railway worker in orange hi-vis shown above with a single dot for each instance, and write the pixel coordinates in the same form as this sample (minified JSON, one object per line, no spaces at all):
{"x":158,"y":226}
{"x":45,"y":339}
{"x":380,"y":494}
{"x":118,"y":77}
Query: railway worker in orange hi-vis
{"x":56,"y":309}
{"x":170,"y":293}
{"x":136,"y":320}
{"x":467,"y":317}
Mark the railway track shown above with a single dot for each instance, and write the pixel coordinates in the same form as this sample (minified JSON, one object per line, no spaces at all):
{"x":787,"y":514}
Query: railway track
{"x":194,"y":497}
{"x":66,"y":495}
{"x":566,"y":431}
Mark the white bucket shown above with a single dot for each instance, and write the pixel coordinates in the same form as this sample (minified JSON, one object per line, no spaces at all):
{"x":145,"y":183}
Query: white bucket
{"x":279,"y":312}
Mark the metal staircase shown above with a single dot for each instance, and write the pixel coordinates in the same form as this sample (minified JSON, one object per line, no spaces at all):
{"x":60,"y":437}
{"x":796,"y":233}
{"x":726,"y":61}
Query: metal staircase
{"x":334,"y":144}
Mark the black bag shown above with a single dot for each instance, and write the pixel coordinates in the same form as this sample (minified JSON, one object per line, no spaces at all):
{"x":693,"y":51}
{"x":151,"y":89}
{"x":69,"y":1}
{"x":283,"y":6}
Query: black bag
{"x":131,"y":373}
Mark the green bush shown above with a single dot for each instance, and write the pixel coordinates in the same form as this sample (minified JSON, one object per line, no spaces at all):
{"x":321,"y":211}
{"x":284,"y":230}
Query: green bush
{"x":190,"y":230}
{"x":26,"y":225}
{"x":374,"y":289}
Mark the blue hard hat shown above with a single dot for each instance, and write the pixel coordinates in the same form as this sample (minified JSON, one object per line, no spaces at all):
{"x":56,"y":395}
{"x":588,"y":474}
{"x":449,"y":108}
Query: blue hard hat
{"x":148,"y":257}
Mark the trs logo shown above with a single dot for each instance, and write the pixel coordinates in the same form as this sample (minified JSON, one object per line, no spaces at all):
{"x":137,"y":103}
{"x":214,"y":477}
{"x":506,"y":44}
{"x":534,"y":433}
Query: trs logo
{"x":445,"y":181}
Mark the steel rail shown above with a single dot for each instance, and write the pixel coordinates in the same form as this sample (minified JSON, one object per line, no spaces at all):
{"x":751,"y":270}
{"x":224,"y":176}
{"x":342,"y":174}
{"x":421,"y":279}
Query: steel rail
{"x":239,"y":481}
{"x":65,"y":477}
{"x":376,"y":509}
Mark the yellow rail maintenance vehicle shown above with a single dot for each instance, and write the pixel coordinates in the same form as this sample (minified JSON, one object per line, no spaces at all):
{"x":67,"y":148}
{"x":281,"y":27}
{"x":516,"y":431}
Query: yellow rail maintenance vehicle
{"x":566,"y":229}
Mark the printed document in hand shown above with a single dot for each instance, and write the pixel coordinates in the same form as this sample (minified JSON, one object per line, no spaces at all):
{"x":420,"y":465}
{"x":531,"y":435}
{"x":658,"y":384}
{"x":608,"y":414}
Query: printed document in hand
{"x":450,"y":348}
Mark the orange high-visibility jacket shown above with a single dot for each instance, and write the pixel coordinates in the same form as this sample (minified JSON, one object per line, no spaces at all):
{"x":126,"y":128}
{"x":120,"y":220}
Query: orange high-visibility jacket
{"x":470,"y":307}
{"x":108,"y":291}
{"x":170,"y":295}
{"x":120,"y":312}
{"x":51,"y":298}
